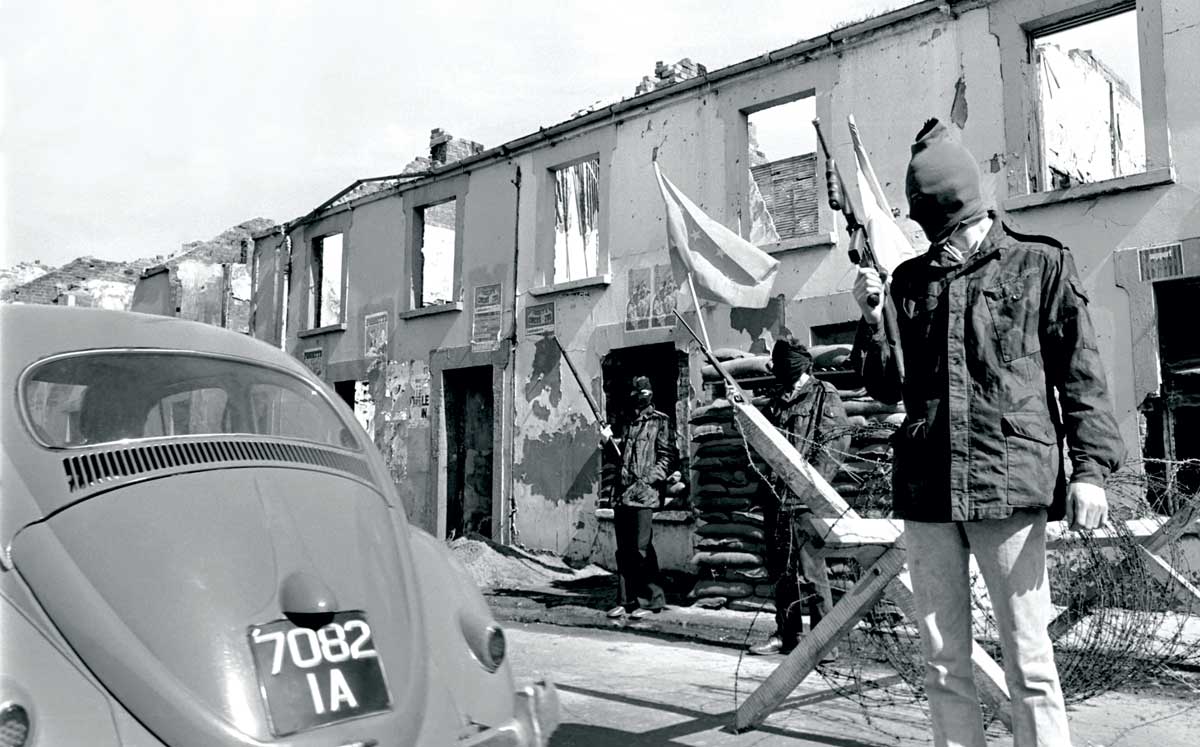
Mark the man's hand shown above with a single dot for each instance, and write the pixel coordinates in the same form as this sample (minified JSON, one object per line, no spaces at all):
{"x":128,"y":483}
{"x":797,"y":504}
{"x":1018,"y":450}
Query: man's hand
{"x":1087,"y":506}
{"x":866,"y":283}
{"x":606,"y":433}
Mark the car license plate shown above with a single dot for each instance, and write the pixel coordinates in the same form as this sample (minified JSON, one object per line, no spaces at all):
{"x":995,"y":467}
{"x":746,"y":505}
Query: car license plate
{"x":314,"y":677}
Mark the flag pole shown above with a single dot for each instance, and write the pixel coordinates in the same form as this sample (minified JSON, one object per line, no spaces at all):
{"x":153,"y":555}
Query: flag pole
{"x":699,"y":311}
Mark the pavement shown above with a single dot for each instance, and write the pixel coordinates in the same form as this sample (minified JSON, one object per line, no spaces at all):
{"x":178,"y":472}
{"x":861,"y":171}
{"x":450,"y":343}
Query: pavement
{"x":674,"y":677}
{"x":632,"y":690}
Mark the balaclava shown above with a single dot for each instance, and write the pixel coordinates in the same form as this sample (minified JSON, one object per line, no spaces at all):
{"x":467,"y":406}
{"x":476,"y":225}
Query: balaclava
{"x":643,"y":393}
{"x":789,"y":359}
{"x":942,"y":183}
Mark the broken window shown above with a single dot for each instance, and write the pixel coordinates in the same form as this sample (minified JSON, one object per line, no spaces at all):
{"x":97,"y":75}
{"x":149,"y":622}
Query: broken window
{"x":783,"y":170}
{"x":325,"y":283}
{"x":576,"y":221}
{"x":1090,"y":122}
{"x":434,"y":279}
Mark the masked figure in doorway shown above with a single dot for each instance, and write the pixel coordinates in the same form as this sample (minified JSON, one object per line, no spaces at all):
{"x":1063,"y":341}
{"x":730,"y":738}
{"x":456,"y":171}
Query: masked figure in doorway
{"x":647,"y":456}
{"x":810,"y":414}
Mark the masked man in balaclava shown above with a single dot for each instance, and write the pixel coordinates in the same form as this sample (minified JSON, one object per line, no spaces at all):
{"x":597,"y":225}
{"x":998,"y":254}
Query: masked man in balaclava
{"x":811,"y":416}
{"x":1001,"y":365}
{"x":647,"y":455}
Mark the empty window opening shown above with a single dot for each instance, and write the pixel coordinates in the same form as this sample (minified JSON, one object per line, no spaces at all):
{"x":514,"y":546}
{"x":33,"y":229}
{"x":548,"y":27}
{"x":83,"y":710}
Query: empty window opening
{"x":783,"y":168}
{"x":839,"y":333}
{"x":357,"y":396}
{"x":576,"y":221}
{"x":325,"y":283}
{"x":469,"y":451}
{"x":435,"y":271}
{"x":667,"y":369}
{"x":1090,"y":119}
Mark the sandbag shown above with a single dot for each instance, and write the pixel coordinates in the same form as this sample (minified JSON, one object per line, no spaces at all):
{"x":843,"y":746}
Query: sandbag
{"x":704,"y":434}
{"x":729,"y":354}
{"x":742,"y":531}
{"x":730,"y":543}
{"x":722,"y":503}
{"x":710,"y":603}
{"x":765,"y":590}
{"x":750,"y":367}
{"x":727,"y":589}
{"x":721,"y":450}
{"x":753,"y":604}
{"x":715,"y":517}
{"x":748,"y":517}
{"x":753,"y":574}
{"x":736,"y":559}
{"x":719,"y":411}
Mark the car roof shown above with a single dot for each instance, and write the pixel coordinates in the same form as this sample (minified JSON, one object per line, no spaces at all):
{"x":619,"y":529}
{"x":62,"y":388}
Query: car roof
{"x":30,"y":332}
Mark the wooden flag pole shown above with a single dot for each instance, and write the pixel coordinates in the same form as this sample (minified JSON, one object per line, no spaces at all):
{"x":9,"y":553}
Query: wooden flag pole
{"x":699,"y":311}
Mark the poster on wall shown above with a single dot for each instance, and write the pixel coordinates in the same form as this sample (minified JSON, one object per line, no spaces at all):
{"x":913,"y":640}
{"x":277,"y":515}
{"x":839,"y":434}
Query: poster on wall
{"x":486,"y":316}
{"x":375,"y":335}
{"x":315,"y":360}
{"x":539,"y":319}
{"x":651,"y":298}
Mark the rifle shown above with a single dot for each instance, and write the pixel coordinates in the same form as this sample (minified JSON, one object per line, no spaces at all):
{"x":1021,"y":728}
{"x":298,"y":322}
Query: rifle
{"x":839,"y":202}
{"x":588,"y":396}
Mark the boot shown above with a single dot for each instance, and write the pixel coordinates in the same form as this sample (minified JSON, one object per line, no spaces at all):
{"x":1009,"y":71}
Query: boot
{"x":773,"y":645}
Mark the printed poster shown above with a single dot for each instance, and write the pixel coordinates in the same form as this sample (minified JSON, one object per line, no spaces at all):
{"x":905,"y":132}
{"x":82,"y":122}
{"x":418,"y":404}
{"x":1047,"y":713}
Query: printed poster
{"x":539,"y":319}
{"x":487,"y":315}
{"x":375,"y":335}
{"x":651,"y":299}
{"x":315,"y":360}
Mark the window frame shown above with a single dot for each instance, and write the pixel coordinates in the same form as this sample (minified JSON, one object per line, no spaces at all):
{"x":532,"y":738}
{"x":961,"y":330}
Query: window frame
{"x":419,"y":198}
{"x":316,"y":278}
{"x":597,"y":144}
{"x":601,"y":239}
{"x":1017,"y":28}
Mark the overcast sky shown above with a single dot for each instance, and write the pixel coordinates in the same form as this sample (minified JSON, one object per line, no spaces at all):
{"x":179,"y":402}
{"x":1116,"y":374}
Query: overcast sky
{"x":131,"y":127}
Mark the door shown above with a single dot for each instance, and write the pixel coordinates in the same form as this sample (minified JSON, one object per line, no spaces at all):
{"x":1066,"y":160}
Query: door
{"x":470,"y":409}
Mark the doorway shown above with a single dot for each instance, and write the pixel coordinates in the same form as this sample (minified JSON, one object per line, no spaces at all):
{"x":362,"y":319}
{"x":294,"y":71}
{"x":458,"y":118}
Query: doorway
{"x":1176,"y":435}
{"x":470,"y":407}
{"x":667,"y":369}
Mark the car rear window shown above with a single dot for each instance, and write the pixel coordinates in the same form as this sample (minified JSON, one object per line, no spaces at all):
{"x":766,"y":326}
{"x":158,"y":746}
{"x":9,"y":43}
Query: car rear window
{"x":102,"y":397}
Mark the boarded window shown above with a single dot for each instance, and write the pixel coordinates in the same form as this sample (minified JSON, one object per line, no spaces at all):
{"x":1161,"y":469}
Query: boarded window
{"x":576,"y":221}
{"x":435,"y":273}
{"x":325,"y":286}
{"x":783,"y":166}
{"x":1090,"y":120}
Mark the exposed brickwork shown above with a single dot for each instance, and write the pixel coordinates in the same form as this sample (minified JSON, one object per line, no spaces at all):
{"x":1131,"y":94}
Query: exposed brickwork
{"x":56,"y":285}
{"x":444,"y":148}
{"x":665,"y":75}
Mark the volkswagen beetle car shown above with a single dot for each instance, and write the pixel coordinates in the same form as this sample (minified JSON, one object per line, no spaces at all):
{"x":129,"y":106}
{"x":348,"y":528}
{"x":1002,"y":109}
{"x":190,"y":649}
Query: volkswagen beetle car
{"x":200,"y":546}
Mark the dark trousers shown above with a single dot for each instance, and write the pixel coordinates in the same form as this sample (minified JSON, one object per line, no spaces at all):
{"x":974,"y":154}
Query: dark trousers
{"x":795,"y":591}
{"x":637,"y":564}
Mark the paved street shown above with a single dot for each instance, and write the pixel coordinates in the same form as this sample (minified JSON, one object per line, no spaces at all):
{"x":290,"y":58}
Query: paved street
{"x":621,"y":688}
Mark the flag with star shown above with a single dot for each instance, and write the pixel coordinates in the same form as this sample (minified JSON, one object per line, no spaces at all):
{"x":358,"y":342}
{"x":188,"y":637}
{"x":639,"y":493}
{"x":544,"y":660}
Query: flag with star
{"x":724,"y":266}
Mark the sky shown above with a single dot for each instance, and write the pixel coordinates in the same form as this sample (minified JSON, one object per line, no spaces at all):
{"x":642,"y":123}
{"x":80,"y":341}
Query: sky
{"x":130,"y":127}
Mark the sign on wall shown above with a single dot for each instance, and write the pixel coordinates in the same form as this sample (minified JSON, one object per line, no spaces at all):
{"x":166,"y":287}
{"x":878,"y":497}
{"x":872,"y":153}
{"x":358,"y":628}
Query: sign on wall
{"x":487,"y":315}
{"x":539,"y":319}
{"x":375,"y":335}
{"x":315,"y":360}
{"x":651,"y":298}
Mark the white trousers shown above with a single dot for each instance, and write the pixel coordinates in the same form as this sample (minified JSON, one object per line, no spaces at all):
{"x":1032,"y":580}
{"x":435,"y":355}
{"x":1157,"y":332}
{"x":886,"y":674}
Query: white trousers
{"x":1011,"y":554}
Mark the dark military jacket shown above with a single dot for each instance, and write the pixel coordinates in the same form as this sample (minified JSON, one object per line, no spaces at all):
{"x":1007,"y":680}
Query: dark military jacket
{"x":813,"y":419}
{"x":647,"y":456}
{"x":1000,"y":365}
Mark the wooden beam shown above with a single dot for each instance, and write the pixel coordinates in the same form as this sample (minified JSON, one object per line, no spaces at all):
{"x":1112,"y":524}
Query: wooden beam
{"x":804,"y":658}
{"x":1152,"y":547}
{"x":825,"y":502}
{"x":847,"y":532}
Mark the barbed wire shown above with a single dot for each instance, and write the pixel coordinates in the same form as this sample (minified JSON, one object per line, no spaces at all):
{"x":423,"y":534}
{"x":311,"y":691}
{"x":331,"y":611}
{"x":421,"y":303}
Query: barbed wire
{"x":1126,"y":622}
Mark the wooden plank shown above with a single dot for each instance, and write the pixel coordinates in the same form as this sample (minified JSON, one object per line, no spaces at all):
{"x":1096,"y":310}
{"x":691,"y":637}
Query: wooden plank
{"x":805,"y":657}
{"x":850,"y":531}
{"x":1167,"y":534}
{"x":1184,"y":591}
{"x":801,"y":477}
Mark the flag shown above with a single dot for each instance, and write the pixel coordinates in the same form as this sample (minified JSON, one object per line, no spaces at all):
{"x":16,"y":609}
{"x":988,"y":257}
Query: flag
{"x":888,"y":241}
{"x":724,"y":266}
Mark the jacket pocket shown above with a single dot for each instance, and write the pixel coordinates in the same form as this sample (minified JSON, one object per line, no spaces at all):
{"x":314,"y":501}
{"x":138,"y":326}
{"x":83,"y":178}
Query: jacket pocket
{"x":910,"y":468}
{"x":1014,"y":306}
{"x":1031,"y":458}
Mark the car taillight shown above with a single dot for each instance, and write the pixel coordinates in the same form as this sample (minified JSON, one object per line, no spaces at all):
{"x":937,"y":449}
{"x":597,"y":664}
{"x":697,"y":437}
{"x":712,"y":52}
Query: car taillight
{"x":496,"y":645}
{"x":14,"y":725}
{"x":485,"y":639}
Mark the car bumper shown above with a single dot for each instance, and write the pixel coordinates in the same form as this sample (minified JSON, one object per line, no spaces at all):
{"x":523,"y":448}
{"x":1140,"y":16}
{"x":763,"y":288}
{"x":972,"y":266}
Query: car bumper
{"x":535,"y":717}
